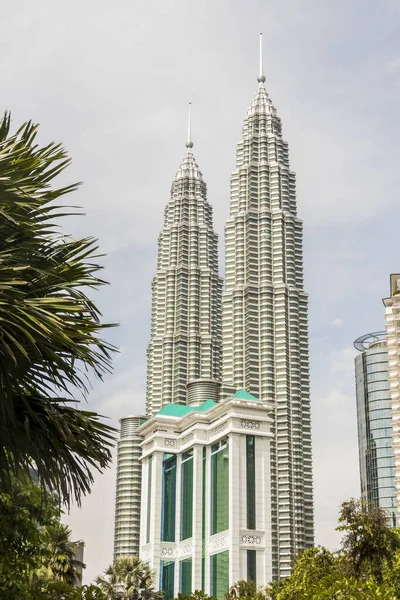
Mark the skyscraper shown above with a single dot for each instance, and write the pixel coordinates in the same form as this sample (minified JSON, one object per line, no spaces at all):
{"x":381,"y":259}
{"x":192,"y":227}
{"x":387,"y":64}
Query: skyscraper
{"x":185,"y":344}
{"x":264,"y":308}
{"x":184,"y":353}
{"x":128,"y":489}
{"x":392,"y":314}
{"x":374,"y":418}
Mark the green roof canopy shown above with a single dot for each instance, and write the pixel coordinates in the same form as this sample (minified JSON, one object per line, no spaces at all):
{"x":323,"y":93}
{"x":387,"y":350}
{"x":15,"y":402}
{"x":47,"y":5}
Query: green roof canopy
{"x":243,"y":395}
{"x":181,"y":410}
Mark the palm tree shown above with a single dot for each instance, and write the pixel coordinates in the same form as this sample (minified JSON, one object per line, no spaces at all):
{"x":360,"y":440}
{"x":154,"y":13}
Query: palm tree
{"x":128,"y":579}
{"x":59,"y":564}
{"x":50,"y":331}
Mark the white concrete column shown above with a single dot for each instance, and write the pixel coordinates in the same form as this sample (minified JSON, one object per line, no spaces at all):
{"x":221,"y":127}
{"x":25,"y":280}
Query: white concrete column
{"x":155,"y":514}
{"x":207,"y":509}
{"x":197,"y":516}
{"x":178,"y":502}
{"x":241,"y":479}
{"x":263,"y":504}
{"x":143,"y":503}
{"x":234,"y":507}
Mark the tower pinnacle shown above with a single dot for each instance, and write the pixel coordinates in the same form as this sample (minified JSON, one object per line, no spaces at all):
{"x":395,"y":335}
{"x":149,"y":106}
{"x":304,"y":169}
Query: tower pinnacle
{"x":189,"y":143}
{"x":261,"y":76}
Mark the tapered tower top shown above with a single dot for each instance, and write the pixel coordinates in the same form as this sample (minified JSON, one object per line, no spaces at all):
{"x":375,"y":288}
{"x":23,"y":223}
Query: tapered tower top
{"x":189,"y":167}
{"x":261,"y":76}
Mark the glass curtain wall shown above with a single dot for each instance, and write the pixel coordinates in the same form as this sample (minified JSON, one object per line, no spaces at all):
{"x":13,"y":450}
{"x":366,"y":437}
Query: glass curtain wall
{"x":251,"y":481}
{"x":251,"y":565}
{"x":219,"y":487}
{"x":168,"y":498}
{"x":167,"y":574}
{"x":185,"y":577}
{"x":219,"y":574}
{"x":187,"y":495}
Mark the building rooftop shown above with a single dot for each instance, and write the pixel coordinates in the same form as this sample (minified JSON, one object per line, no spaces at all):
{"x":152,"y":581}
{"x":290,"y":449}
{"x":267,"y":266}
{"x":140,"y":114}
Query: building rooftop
{"x":243,"y":395}
{"x":368,"y":340}
{"x":181,"y":410}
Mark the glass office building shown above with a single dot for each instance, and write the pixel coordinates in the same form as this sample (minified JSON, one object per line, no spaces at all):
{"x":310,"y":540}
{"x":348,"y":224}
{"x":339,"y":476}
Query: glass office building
{"x":375,"y":433}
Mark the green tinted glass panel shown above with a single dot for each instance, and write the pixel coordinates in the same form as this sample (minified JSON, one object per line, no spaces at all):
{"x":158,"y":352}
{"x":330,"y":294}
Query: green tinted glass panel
{"x":219,"y":489}
{"x":251,"y":565}
{"x":167,"y":574}
{"x":251,"y":482}
{"x":219,"y":565}
{"x":185,"y":577}
{"x":149,"y":499}
{"x":168,"y":498}
{"x":187,"y":498}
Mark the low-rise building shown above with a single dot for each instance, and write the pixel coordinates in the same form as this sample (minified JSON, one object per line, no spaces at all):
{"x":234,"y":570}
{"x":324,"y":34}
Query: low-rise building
{"x":206,"y":495}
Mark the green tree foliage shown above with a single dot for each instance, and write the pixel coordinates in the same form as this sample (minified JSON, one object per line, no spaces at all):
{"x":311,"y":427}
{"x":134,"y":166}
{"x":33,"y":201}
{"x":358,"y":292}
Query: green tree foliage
{"x":37,"y":557}
{"x":58,"y":562}
{"x":50,"y":330}
{"x":128,"y":579}
{"x":311,"y":566}
{"x":368,"y":543}
{"x":196,"y":595}
{"x":367,"y":566}
{"x":62,"y":591}
{"x":24,"y":513}
{"x":245,"y":590}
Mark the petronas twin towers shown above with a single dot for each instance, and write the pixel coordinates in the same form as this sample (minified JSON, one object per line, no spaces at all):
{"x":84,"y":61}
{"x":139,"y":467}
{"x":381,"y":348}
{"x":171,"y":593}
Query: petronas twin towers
{"x":209,"y":340}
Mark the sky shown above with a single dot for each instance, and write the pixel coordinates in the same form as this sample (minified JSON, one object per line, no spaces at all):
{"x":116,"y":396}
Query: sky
{"x":112,"y":81}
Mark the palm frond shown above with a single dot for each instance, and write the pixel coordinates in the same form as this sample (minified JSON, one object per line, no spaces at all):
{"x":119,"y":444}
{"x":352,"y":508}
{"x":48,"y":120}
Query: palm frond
{"x":50,"y":330}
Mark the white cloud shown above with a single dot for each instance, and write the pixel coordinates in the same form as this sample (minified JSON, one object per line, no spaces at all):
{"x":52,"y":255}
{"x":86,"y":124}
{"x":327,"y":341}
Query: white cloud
{"x":394,"y":65}
{"x":337,"y":323}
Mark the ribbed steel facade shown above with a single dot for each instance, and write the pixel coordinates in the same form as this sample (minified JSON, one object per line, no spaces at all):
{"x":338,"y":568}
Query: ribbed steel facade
{"x":392,"y":315}
{"x":128,"y":489}
{"x":265,"y":327}
{"x":185,"y":342}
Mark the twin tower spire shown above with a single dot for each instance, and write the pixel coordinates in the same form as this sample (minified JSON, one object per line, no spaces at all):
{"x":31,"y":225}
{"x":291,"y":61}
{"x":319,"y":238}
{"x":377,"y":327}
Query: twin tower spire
{"x":260,"y":79}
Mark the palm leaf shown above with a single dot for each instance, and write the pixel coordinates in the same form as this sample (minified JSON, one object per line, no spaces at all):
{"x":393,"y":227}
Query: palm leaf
{"x":50,"y":330}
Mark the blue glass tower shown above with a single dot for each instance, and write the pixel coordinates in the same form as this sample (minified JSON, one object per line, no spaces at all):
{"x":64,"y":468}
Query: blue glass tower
{"x":374,"y":415}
